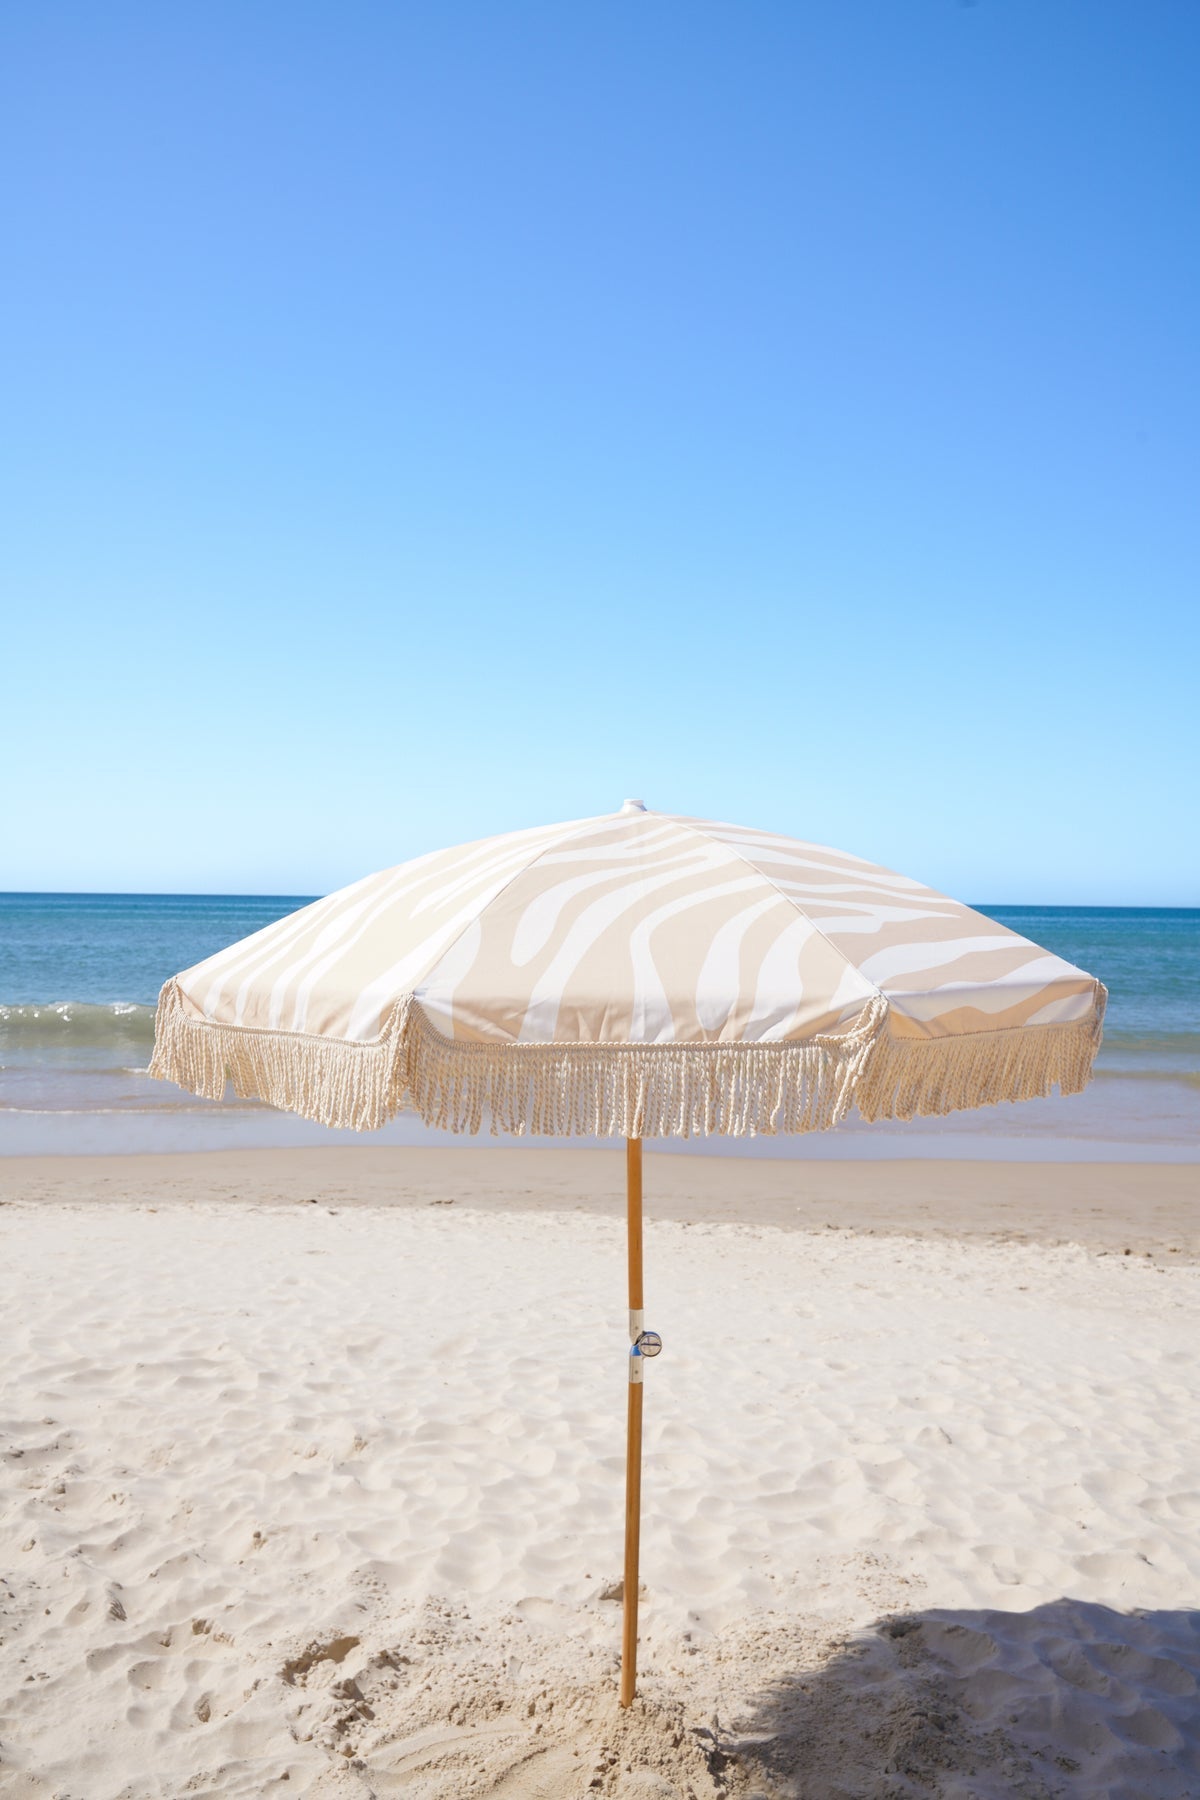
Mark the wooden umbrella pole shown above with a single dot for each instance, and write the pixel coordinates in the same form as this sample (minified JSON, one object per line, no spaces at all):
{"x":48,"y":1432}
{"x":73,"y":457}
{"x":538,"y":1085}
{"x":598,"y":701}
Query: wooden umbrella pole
{"x":633,"y":1441}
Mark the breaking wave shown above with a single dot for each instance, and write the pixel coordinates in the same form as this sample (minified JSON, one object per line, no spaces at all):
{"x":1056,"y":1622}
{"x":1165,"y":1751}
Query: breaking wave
{"x":77,"y":1025}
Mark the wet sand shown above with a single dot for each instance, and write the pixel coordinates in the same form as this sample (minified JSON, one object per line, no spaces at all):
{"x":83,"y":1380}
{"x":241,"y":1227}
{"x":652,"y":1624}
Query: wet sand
{"x":1146,"y":1208}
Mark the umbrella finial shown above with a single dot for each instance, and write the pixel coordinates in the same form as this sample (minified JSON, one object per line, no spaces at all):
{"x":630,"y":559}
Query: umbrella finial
{"x":633,"y":806}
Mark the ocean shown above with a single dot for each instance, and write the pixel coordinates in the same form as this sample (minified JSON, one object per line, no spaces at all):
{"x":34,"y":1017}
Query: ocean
{"x":79,"y":974}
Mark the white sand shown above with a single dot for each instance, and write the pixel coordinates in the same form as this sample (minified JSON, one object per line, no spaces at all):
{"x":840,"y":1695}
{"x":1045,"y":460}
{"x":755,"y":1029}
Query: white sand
{"x":312,"y":1502}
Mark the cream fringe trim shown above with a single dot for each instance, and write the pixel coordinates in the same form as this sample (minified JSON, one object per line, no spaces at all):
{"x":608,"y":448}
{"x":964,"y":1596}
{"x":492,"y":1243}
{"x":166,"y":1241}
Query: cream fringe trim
{"x":924,"y":1077}
{"x":619,"y":1090}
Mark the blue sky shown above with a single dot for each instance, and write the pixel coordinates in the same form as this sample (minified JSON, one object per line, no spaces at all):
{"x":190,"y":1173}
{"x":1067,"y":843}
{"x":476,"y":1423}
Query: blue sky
{"x":421,"y":421}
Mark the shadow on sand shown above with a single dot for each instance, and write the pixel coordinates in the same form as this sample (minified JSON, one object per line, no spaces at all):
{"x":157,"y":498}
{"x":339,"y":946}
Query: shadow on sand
{"x":1070,"y":1701}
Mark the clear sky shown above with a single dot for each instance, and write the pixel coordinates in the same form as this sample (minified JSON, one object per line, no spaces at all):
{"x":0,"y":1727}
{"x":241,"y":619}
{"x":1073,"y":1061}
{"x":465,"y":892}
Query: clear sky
{"x":422,"y":420}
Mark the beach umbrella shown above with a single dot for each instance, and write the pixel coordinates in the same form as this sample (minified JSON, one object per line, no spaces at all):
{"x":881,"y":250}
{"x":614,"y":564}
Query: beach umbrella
{"x":636,"y":975}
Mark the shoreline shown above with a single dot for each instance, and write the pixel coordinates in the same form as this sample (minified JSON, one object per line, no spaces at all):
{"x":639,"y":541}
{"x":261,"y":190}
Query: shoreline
{"x":1144,"y":1209}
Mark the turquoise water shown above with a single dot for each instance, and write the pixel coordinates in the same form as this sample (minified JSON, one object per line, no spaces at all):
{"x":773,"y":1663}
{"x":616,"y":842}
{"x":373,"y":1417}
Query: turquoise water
{"x":104,"y":948}
{"x":79,"y":974}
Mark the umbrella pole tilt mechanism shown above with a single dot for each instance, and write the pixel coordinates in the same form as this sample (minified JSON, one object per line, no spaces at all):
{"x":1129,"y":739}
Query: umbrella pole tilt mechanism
{"x":642,"y":1344}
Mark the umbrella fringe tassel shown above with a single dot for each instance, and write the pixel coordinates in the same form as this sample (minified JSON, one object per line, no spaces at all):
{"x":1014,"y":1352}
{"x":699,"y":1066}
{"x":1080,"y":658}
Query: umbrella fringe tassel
{"x":619,"y":1090}
{"x":915,"y":1078}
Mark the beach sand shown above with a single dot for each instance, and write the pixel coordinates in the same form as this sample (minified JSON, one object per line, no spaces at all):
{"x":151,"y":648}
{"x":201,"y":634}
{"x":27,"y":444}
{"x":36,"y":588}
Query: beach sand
{"x":312,"y":1478}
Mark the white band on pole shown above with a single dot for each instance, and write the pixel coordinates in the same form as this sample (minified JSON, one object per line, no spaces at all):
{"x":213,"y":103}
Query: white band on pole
{"x":637,"y":1364}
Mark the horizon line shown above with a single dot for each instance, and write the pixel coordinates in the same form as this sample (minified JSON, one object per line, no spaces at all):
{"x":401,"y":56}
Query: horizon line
{"x":280,"y":894}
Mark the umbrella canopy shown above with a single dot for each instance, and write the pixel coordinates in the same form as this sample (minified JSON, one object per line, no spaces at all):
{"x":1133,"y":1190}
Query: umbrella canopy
{"x":635,"y":975}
